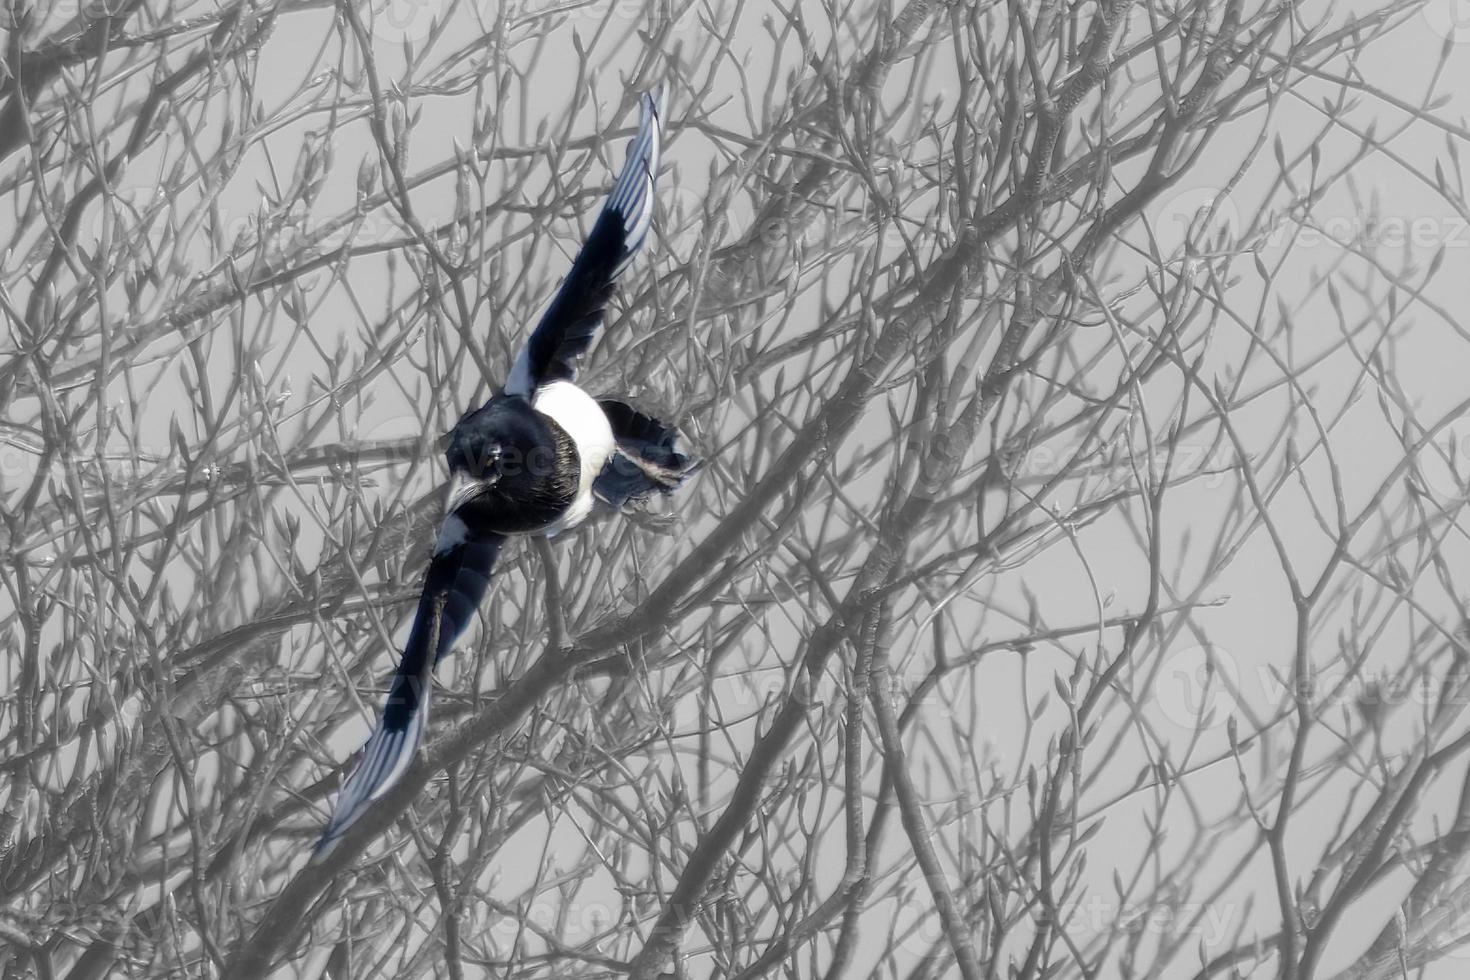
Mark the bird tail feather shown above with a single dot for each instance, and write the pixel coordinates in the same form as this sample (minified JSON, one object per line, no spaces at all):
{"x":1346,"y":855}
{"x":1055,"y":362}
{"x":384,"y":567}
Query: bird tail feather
{"x":650,"y":457}
{"x":458,"y":576}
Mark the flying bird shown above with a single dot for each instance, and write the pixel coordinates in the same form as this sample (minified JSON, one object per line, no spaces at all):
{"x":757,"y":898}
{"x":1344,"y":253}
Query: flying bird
{"x":537,"y":458}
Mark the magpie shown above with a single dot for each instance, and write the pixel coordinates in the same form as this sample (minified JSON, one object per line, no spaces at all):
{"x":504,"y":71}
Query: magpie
{"x":537,"y":458}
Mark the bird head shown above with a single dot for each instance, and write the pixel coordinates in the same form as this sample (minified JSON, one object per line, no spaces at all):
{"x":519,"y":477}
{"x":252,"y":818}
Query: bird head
{"x":490,"y":443}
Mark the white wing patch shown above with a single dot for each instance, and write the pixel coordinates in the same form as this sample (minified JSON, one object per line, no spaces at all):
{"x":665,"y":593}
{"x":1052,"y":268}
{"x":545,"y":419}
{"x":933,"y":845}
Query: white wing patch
{"x":520,"y":381}
{"x":452,"y":534}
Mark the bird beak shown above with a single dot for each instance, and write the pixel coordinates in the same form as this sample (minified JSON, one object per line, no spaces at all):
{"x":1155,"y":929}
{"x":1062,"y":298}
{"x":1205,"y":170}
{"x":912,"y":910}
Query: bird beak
{"x":460,"y":490}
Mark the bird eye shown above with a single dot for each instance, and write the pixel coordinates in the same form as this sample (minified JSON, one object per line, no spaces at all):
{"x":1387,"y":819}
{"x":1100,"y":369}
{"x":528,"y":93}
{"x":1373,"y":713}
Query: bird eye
{"x":481,"y":461}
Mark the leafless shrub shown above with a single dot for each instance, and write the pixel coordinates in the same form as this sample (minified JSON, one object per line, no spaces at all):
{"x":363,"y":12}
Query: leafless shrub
{"x":1072,"y":588}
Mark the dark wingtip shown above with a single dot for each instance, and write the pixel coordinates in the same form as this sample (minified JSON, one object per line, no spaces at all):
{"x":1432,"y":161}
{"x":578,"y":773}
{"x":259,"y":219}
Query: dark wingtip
{"x":323,"y":848}
{"x":653,"y":102}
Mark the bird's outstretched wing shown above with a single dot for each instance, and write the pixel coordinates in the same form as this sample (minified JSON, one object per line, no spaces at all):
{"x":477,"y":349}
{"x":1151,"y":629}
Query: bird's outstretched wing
{"x":459,"y":574}
{"x":569,"y":324}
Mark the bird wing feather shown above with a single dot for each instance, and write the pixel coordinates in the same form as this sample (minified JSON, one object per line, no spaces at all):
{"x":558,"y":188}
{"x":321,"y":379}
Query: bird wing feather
{"x":570,"y":323}
{"x":458,"y":576}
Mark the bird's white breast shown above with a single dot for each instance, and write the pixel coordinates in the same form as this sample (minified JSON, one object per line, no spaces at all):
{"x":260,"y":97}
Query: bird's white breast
{"x":582,"y":419}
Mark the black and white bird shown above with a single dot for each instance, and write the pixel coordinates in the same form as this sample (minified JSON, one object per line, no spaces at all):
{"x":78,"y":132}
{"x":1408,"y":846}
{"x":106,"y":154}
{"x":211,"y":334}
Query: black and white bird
{"x":537,"y":458}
